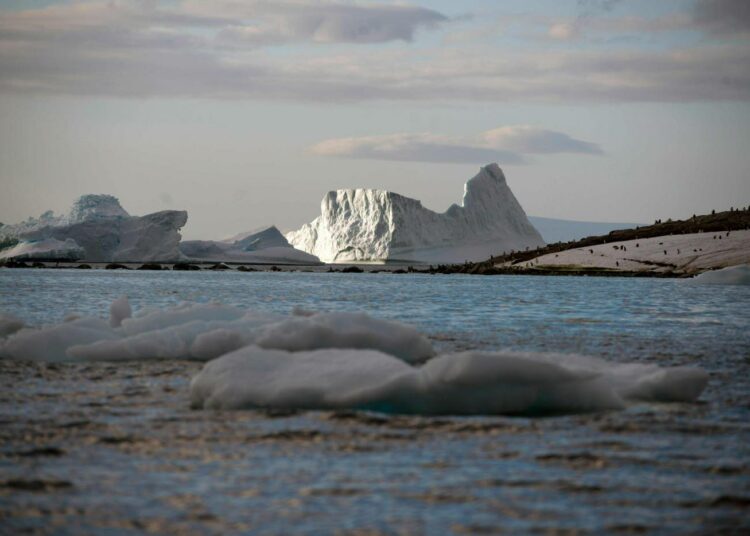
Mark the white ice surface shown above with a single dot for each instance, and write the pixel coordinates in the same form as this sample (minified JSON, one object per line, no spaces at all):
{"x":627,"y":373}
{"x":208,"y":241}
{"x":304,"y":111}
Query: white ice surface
{"x":119,"y":310}
{"x":734,"y":275}
{"x":687,"y":253}
{"x":262,"y":246}
{"x":206,"y":331}
{"x":344,"y":360}
{"x":46,"y":248}
{"x":377,"y":225}
{"x":50,"y":343}
{"x":98,"y":229}
{"x":460,"y":384}
{"x":9,"y":324}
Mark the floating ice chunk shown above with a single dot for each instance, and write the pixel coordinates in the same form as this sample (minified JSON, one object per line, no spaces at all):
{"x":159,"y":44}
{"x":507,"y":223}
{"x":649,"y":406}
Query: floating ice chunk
{"x":230,"y":336}
{"x":9,"y":325}
{"x":256,"y":378}
{"x":465,"y":383}
{"x":506,"y":383}
{"x":347,"y":330}
{"x":734,"y":275}
{"x":180,"y":341}
{"x":181,"y":314}
{"x":169,"y":343}
{"x":652,"y":383}
{"x":50,"y":343}
{"x":119,"y":311}
{"x":206,"y":331}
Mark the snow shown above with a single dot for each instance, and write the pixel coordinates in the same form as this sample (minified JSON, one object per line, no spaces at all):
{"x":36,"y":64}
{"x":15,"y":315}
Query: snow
{"x":46,"y":248}
{"x":377,"y":225}
{"x":467,"y":383}
{"x":343,"y":360}
{"x":93,"y":206}
{"x":9,"y":324}
{"x":98,"y":229}
{"x":688,"y":253}
{"x":734,"y":275}
{"x":262,"y":246}
{"x":119,"y":310}
{"x":50,"y":343}
{"x":206,"y":331}
{"x":347,"y":330}
{"x":264,"y":237}
{"x":253,"y":377}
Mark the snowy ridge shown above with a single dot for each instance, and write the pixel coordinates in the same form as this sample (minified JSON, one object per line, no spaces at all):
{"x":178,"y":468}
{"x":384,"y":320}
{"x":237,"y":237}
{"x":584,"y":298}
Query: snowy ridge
{"x":377,"y":225}
{"x":683,"y":253}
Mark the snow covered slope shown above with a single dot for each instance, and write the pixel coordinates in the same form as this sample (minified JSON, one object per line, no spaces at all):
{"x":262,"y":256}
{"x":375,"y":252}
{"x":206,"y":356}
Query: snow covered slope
{"x":686,"y":253}
{"x":262,"y":246}
{"x":98,"y":229}
{"x":376,"y":225}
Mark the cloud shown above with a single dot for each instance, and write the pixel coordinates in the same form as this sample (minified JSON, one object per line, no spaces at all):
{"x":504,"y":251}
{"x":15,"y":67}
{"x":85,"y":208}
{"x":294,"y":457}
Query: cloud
{"x":224,"y":50}
{"x":505,"y":145}
{"x":587,"y":11}
{"x":717,"y":18}
{"x":413,"y":148}
{"x":722,"y":16}
{"x":322,"y":22}
{"x":256,"y":22}
{"x":526,"y":139}
{"x":563,"y":30}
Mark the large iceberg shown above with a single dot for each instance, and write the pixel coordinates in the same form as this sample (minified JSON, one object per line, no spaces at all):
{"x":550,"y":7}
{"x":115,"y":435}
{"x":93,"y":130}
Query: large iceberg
{"x":97,"y":229}
{"x":262,"y":246}
{"x":377,"y":225}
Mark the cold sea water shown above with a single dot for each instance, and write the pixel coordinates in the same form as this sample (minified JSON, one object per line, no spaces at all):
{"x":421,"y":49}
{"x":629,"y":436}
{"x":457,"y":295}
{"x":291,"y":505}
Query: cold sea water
{"x":114,"y":448}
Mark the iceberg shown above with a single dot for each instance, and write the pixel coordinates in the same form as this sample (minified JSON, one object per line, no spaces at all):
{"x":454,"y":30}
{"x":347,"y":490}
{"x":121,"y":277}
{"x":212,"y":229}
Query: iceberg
{"x":377,"y":225}
{"x":97,"y":229}
{"x":262,"y":246}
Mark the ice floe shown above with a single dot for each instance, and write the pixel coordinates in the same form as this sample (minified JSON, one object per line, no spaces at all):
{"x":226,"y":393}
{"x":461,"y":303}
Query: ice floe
{"x":9,"y":324}
{"x":465,"y":383}
{"x":344,"y":360}
{"x":207,"y":331}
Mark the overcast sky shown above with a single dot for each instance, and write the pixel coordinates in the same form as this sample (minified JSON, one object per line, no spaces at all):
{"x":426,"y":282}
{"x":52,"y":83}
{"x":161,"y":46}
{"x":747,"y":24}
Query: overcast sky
{"x":245,"y":112}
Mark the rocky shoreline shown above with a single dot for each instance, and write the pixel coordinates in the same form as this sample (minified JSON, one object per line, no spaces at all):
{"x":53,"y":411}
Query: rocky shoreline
{"x":467,"y":269}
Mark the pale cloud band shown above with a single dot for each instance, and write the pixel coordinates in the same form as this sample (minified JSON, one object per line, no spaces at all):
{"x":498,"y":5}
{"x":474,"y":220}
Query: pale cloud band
{"x":223,"y":50}
{"x":508,"y":145}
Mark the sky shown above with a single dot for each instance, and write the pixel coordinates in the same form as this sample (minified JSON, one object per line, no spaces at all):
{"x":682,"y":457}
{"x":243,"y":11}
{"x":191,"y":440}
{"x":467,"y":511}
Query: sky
{"x":245,"y":113}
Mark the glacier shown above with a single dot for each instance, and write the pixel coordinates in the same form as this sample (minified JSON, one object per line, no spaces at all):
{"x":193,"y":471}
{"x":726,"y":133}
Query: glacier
{"x":97,"y":229}
{"x":262,"y":246}
{"x":378,"y":225}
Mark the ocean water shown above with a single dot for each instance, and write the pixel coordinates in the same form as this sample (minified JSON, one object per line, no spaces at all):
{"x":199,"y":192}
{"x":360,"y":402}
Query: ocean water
{"x":114,"y":448}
